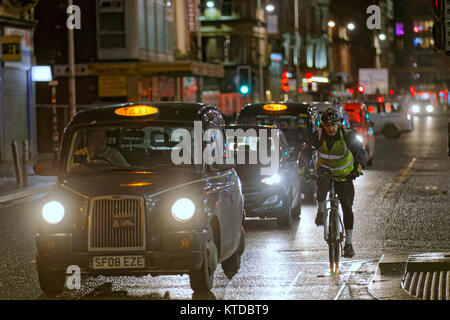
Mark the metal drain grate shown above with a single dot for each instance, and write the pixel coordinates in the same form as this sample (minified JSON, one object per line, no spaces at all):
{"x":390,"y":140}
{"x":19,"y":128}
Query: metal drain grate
{"x":432,"y":285}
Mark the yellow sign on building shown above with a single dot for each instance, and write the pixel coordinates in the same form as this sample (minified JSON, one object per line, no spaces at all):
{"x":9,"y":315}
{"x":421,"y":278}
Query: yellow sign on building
{"x":112,"y":86}
{"x":12,"y":48}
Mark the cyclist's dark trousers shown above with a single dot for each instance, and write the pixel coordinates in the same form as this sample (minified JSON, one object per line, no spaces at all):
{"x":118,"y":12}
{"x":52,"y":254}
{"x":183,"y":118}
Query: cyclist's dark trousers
{"x":346,"y":193}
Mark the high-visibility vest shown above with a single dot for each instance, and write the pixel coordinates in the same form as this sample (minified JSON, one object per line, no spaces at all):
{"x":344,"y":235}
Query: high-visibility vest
{"x":339,"y":160}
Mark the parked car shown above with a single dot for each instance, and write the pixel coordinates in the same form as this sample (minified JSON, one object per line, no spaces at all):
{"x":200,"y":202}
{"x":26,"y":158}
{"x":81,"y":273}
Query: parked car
{"x":295,"y":120}
{"x":128,"y":209}
{"x":360,"y":122}
{"x":268,"y":196}
{"x":390,"y":117}
{"x":323,"y":106}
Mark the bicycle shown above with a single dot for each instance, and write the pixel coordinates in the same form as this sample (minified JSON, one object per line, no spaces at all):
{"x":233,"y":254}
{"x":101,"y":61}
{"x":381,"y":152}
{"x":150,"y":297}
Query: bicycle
{"x":334,"y":231}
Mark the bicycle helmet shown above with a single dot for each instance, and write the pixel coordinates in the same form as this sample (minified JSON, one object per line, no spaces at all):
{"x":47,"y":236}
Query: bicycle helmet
{"x":331,"y":116}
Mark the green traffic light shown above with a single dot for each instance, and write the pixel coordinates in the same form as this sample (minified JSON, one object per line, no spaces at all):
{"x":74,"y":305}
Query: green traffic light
{"x":244,"y":89}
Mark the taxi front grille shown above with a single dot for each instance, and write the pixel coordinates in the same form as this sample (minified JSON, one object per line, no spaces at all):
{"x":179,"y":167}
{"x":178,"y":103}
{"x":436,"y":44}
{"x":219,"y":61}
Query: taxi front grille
{"x":116,"y":224}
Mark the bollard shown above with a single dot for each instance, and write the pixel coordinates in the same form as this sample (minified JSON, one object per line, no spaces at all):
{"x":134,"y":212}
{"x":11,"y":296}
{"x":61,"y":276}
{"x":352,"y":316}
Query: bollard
{"x":25,"y":164}
{"x":16,"y":162}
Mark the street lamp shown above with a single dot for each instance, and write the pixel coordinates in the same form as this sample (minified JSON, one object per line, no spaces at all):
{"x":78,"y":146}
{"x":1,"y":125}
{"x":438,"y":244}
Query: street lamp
{"x":270,"y":8}
{"x":382,"y":37}
{"x":351,"y":26}
{"x":331,"y":24}
{"x":210,"y":4}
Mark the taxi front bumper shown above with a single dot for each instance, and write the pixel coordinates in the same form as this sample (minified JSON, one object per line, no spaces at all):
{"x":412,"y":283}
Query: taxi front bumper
{"x":55,"y":252}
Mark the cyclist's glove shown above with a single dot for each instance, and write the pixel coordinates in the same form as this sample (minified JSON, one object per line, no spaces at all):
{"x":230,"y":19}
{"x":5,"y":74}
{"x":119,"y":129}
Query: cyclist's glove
{"x":357,"y":171}
{"x":307,"y":174}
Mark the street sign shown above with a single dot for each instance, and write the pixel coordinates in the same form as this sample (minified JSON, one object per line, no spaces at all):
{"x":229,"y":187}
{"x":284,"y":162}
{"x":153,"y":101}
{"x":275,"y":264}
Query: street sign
{"x":112,"y":86}
{"x":12,"y":48}
{"x":374,"y":80}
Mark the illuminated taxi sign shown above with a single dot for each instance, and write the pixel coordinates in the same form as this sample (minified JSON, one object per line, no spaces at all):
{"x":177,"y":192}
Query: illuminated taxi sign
{"x":275,"y":107}
{"x":136,"y":111}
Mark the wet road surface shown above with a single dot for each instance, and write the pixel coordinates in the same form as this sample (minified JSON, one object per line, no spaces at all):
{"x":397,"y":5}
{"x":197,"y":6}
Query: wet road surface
{"x":401,"y":206}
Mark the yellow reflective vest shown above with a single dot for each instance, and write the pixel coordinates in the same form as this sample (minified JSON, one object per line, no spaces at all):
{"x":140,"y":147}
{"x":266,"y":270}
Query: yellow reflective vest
{"x":339,"y":160}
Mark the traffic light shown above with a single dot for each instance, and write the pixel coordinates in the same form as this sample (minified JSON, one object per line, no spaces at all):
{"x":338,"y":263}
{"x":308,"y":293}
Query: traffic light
{"x":361,"y":89}
{"x":245,"y":79}
{"x":285,"y":76}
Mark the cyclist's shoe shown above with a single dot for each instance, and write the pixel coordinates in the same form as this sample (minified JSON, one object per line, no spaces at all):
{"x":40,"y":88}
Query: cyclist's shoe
{"x":319,"y":219}
{"x":348,"y":251}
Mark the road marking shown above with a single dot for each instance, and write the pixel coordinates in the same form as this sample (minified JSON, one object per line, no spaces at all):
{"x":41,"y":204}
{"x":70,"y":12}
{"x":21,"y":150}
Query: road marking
{"x":354,"y":267}
{"x":399,"y":178}
{"x":292,"y":285}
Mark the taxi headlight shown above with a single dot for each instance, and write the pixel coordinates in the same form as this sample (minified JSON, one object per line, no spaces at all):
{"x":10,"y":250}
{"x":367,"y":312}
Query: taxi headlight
{"x":360,"y":138}
{"x":430,"y":108}
{"x":53,"y":212}
{"x":183,"y":209}
{"x":416,"y":108}
{"x":272,"y":180}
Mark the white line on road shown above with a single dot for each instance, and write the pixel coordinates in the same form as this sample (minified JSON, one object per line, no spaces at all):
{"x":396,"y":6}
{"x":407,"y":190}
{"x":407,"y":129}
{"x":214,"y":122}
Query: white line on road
{"x":354,"y":267}
{"x":288,"y":291}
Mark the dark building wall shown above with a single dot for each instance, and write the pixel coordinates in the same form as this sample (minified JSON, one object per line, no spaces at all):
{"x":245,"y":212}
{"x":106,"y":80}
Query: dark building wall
{"x":51,"y":48}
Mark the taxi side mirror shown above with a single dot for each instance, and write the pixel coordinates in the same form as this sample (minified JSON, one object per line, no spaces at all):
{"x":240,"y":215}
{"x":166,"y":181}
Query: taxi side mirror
{"x":45,"y":168}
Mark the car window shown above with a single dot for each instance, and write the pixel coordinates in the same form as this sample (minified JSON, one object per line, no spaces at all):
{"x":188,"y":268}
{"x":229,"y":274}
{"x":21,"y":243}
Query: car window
{"x":100,"y":148}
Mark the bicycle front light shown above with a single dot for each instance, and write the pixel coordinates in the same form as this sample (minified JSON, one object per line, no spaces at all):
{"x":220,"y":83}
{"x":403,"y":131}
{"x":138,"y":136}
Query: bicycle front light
{"x":53,"y":212}
{"x":272,"y":180}
{"x":183,"y":209}
{"x":360,"y":138}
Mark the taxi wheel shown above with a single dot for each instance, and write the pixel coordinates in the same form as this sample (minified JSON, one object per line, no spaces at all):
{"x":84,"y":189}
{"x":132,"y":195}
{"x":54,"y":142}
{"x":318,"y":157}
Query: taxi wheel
{"x":285,"y":220}
{"x":232,"y":264}
{"x":202,"y":280}
{"x":51,"y":282}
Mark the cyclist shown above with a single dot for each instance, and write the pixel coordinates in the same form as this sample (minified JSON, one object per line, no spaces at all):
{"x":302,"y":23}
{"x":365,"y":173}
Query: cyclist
{"x":340,"y":152}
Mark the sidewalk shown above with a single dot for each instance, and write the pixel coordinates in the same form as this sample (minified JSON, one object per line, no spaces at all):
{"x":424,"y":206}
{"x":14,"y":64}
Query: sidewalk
{"x":9,"y":190}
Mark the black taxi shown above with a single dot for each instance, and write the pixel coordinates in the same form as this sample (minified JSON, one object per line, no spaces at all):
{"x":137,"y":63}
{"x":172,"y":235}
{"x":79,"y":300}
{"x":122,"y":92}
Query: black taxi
{"x":296,"y":120}
{"x":267,"y":195}
{"x":124,"y":203}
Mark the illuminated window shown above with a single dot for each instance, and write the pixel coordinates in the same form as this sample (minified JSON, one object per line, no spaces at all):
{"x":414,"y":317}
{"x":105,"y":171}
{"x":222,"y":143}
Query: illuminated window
{"x":399,"y":31}
{"x":423,"y":26}
{"x":424,"y":43}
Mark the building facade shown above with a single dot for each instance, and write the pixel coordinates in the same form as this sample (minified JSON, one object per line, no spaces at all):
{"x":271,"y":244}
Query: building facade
{"x":17,"y":116}
{"x":419,"y":67}
{"x":125,"y":51}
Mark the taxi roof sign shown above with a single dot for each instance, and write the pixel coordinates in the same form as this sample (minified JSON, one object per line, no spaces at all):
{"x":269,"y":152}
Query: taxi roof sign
{"x":136,"y":111}
{"x":275,"y":107}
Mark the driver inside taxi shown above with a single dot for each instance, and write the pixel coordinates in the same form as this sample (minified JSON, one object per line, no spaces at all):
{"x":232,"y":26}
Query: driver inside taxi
{"x":97,"y":151}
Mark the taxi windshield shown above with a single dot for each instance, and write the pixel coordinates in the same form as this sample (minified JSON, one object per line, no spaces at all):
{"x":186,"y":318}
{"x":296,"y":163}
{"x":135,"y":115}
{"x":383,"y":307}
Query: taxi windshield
{"x":300,"y":124}
{"x":124,"y":147}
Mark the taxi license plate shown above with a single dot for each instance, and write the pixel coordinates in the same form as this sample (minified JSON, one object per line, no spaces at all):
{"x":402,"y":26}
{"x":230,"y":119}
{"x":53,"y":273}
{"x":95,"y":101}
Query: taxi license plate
{"x":118,"y":262}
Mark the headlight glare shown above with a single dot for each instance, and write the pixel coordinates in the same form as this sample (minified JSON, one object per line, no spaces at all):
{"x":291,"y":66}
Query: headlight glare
{"x":430,"y":108}
{"x":53,"y":212}
{"x":360,"y":138}
{"x":272,"y":180}
{"x":416,"y":108}
{"x":183,"y":209}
